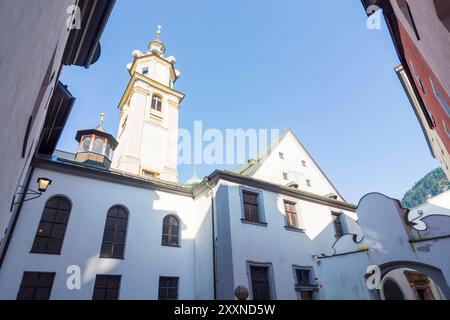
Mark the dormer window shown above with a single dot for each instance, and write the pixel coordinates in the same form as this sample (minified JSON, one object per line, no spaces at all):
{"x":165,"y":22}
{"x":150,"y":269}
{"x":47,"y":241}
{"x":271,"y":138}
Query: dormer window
{"x":157,"y":103}
{"x":145,"y":71}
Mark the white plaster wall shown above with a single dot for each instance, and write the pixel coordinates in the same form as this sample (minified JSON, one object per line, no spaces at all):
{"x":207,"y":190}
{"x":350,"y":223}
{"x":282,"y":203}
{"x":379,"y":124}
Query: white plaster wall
{"x":145,"y":258}
{"x":273,"y":167}
{"x":30,"y":33}
{"x":274,"y":244}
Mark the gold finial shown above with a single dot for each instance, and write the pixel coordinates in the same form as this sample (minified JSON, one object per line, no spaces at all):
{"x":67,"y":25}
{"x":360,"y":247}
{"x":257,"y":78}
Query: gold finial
{"x":158,"y":33}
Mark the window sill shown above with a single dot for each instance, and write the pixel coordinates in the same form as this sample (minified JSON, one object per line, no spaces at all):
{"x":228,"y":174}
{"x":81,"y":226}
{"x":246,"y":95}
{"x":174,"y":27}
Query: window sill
{"x":45,"y":253}
{"x":294,"y":229}
{"x":111,"y":258}
{"x":261,"y":224}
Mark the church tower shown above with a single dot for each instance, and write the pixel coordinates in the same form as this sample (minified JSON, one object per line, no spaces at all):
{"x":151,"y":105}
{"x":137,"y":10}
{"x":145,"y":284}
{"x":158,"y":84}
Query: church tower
{"x":148,"y":130}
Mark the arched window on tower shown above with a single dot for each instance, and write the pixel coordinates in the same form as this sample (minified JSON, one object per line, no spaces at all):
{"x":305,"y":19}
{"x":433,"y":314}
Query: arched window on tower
{"x":113,"y":245}
{"x":157,"y":103}
{"x":52,"y":227}
{"x":171,"y":231}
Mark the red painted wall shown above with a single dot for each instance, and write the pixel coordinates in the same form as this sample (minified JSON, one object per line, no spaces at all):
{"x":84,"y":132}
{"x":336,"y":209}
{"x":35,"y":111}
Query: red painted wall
{"x":417,"y":62}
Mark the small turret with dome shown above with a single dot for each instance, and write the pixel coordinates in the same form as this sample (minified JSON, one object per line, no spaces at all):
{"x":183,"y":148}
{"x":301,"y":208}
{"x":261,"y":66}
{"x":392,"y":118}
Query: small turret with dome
{"x":96,"y":146}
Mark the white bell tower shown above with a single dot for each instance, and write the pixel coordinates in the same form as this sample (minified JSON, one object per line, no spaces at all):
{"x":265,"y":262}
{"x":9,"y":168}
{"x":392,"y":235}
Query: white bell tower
{"x":148,"y":130}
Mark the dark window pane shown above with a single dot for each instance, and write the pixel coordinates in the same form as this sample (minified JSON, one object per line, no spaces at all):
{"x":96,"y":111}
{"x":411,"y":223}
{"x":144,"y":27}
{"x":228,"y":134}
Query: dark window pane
{"x":42,"y":294}
{"x":36,"y":286}
{"x":168,"y":288}
{"x":106,"y":250}
{"x":99,"y":294}
{"x":106,"y":287}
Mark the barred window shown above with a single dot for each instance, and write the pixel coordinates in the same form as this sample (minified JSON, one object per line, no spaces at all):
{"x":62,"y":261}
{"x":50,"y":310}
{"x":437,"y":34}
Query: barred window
{"x":168,"y":288}
{"x":113,"y":245}
{"x":171,"y":231}
{"x":36,"y":286}
{"x":106,"y":287}
{"x":251,"y":206}
{"x":338,"y":225}
{"x":52,"y":227}
{"x":260,"y":283}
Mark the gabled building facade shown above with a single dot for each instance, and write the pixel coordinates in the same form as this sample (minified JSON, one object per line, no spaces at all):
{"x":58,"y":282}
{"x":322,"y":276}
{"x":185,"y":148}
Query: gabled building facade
{"x":39,"y":38}
{"x":420,"y":30}
{"x":276,"y":225}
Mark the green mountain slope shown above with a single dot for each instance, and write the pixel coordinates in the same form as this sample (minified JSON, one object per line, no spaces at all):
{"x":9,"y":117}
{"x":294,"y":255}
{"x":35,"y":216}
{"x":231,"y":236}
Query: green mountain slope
{"x":431,"y":185}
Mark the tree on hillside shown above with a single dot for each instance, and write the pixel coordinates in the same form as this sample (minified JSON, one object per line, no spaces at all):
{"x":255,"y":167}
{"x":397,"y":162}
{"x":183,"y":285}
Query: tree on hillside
{"x":429,"y":186}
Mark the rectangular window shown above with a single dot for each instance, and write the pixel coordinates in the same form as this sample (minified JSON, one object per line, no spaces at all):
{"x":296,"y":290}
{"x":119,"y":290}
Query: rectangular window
{"x":106,"y":287}
{"x":145,"y":71}
{"x":304,"y":283}
{"x":291,"y":214}
{"x":440,"y":98}
{"x":260,"y":283}
{"x":338,"y":225}
{"x":168,"y":288}
{"x":149,"y":173}
{"x":308,"y":183}
{"x":251,"y":206}
{"x":281,"y":155}
{"x":285,"y":176}
{"x":304,"y":163}
{"x":36,"y":286}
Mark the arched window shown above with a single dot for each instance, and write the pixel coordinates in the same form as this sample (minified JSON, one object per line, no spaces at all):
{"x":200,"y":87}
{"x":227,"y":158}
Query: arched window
{"x":52,"y":227}
{"x":171,"y":231}
{"x":113,"y":245}
{"x":157,"y":103}
{"x":98,"y":146}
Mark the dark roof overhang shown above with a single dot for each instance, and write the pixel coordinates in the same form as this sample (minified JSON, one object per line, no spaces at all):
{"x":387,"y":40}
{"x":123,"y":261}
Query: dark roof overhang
{"x":58,"y":112}
{"x":83,"y":47}
{"x":111,"y":140}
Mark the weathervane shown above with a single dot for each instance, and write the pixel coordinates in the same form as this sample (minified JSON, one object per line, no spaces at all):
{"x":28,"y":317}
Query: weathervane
{"x":158,"y":33}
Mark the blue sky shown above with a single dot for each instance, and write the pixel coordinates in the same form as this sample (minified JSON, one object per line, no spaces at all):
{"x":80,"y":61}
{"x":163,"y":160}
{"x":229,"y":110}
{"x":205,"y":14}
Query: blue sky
{"x":312,"y":66}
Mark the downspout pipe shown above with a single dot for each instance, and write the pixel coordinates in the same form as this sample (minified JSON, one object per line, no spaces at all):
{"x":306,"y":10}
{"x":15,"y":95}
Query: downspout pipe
{"x":213,"y":229}
{"x":16,"y":218}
